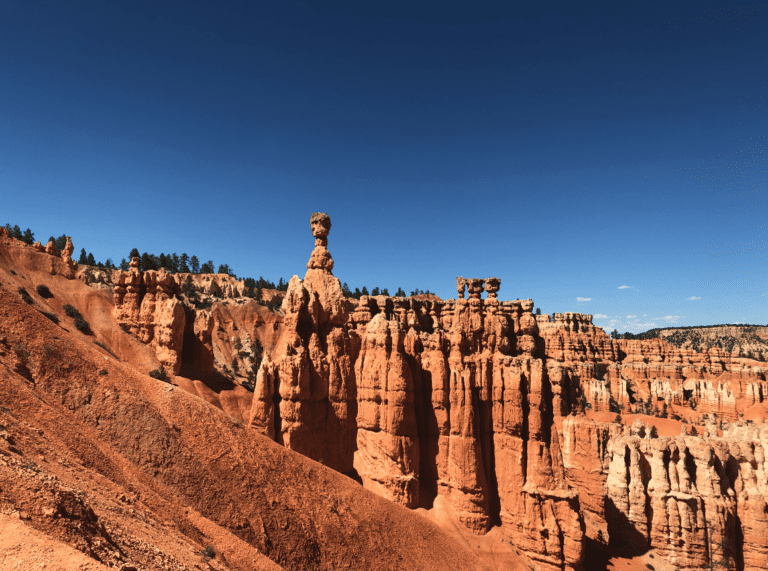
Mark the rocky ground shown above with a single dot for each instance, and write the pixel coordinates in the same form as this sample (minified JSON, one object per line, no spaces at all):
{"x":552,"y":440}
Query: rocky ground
{"x":158,"y":421}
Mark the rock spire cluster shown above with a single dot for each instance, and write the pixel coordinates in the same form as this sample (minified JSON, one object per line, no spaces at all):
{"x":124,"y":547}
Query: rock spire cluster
{"x":424,"y":398}
{"x":146,"y":307}
{"x":482,"y":403}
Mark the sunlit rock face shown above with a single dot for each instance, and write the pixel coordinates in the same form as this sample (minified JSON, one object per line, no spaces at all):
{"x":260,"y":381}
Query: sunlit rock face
{"x":477,"y":401}
{"x":306,"y":395}
{"x":146,"y":306}
{"x":610,"y":373}
{"x":420,"y":398}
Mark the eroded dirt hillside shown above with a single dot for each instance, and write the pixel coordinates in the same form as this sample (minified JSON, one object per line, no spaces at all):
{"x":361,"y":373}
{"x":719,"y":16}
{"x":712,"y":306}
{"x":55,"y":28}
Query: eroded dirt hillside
{"x":149,"y":416}
{"x":131,"y":471}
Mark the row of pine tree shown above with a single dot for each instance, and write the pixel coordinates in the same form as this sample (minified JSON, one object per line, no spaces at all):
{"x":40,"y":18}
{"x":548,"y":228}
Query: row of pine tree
{"x":358,"y":293}
{"x":184,"y":263}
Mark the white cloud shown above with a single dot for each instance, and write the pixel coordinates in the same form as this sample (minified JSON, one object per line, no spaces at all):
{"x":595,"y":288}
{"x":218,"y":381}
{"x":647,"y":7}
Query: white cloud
{"x":600,"y":316}
{"x":671,"y":317}
{"x":583,"y":299}
{"x":637,"y":327}
{"x":693,"y":297}
{"x":631,"y":316}
{"x":624,"y":287}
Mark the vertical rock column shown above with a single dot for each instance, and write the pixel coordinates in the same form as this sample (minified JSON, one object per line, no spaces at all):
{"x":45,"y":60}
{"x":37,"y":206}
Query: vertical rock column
{"x":538,"y":510}
{"x":748,"y":456}
{"x":311,"y":373}
{"x":145,"y":306}
{"x":672,"y":495}
{"x":466,"y":485}
{"x":387,"y":456}
{"x":169,"y":319}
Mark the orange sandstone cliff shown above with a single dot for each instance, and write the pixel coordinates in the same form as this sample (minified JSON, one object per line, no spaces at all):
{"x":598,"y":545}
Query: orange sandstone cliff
{"x":472,"y":405}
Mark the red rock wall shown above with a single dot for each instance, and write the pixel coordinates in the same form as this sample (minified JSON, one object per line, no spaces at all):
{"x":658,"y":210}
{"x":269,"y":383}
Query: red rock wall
{"x":480,"y":401}
{"x":605,"y":369}
{"x":145,"y":306}
{"x":423,"y":397}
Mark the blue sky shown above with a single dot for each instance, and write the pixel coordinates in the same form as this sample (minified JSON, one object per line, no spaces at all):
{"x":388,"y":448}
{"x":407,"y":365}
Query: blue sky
{"x":605,"y":158}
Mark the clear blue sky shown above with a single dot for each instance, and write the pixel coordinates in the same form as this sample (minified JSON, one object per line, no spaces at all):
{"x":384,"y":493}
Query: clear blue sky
{"x":603,"y":158}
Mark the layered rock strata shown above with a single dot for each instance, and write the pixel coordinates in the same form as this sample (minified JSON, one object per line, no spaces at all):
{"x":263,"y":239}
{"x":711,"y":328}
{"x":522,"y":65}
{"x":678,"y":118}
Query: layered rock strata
{"x":424,"y":397}
{"x":609,"y":371}
{"x":306,"y":396}
{"x":146,"y":307}
{"x":699,"y":501}
{"x":478,"y":401}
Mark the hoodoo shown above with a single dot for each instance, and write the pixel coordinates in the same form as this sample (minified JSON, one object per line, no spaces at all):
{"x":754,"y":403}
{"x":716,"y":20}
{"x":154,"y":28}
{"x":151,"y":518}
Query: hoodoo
{"x":483,"y":403}
{"x":424,"y":398}
{"x":509,"y":420}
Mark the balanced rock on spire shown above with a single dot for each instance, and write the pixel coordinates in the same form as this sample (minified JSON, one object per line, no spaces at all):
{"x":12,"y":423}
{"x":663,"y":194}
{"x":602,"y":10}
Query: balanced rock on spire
{"x":321,"y":257}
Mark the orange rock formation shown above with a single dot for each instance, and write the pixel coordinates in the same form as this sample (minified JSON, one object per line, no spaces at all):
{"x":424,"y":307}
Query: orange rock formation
{"x":424,"y":398}
{"x":472,"y":405}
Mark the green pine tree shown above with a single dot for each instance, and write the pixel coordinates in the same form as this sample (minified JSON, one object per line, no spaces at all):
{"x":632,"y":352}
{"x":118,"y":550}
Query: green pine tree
{"x":83,"y":259}
{"x":16,"y":232}
{"x":61,"y":242}
{"x":194,"y":265}
{"x":375,"y":291}
{"x":28,"y":237}
{"x":400,"y":292}
{"x":91,"y":261}
{"x":124,"y":265}
{"x":183,"y":267}
{"x":134,"y":254}
{"x":385,"y":291}
{"x":145,"y":263}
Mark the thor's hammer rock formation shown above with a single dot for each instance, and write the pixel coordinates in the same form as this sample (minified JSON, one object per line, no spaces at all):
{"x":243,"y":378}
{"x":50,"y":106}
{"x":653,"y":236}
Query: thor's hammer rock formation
{"x":425,"y":398}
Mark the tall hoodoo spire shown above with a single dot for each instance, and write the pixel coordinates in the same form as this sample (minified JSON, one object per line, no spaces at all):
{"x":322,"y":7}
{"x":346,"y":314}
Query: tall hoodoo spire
{"x":321,"y":257}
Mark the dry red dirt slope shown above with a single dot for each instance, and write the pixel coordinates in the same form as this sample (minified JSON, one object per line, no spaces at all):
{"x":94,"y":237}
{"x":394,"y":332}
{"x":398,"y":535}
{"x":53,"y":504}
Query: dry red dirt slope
{"x":102,"y":466}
